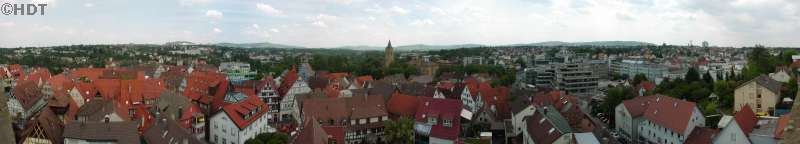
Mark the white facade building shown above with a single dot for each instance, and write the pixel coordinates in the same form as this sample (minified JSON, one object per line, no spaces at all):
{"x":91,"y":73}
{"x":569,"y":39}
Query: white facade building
{"x":240,"y":121}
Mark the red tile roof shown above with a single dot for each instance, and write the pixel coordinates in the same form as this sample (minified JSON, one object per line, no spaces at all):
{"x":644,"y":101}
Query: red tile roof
{"x":287,"y":82}
{"x":38,"y":74}
{"x":497,"y":97}
{"x":90,"y":73}
{"x":364,"y":106}
{"x":108,"y":88}
{"x":647,"y":85}
{"x":237,"y":111}
{"x":746,"y":119}
{"x":86,"y":90}
{"x":360,"y":81}
{"x":335,"y":132}
{"x":59,"y":84}
{"x":542,"y":129}
{"x":200,"y":84}
{"x":638,"y":105}
{"x":445,"y":85}
{"x":671,"y":113}
{"x":218,"y":97}
{"x":4,"y":73}
{"x":331,"y":92}
{"x":472,"y":84}
{"x":267,"y":81}
{"x":188,"y":115}
{"x":441,"y":109}
{"x":140,"y":90}
{"x":702,"y":135}
{"x":143,"y":115}
{"x":27,"y":93}
{"x":326,"y":109}
{"x":332,"y":76}
{"x":311,"y":133}
{"x":566,"y":105}
{"x":402,"y":105}
{"x":15,"y":69}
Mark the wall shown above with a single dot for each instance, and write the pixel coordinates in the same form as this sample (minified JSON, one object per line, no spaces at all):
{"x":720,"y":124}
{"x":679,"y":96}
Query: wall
{"x":731,"y":134}
{"x":747,"y":94}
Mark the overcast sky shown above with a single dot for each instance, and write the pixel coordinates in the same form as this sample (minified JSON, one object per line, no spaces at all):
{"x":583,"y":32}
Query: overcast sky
{"x":332,"y":23}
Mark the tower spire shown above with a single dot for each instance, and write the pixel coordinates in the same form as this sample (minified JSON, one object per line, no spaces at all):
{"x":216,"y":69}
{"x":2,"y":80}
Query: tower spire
{"x":389,"y":58}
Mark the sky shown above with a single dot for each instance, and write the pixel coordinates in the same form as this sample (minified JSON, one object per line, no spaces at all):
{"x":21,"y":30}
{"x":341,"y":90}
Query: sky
{"x":334,"y":23}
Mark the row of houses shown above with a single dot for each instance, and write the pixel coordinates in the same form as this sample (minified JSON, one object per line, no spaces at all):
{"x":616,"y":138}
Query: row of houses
{"x":664,"y":119}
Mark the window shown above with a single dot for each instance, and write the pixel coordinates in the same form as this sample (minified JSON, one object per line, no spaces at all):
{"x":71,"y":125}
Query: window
{"x":447,"y":123}
{"x":431,"y":120}
{"x":216,"y":138}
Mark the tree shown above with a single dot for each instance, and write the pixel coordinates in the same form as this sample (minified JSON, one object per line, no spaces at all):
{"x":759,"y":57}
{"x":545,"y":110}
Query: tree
{"x":638,"y":79}
{"x":254,"y":141}
{"x":760,"y":61}
{"x":724,"y":91}
{"x":707,"y":78}
{"x":615,"y":96}
{"x":692,"y":75}
{"x":520,"y":62}
{"x":269,"y":138}
{"x":790,"y":90}
{"x":399,"y":131}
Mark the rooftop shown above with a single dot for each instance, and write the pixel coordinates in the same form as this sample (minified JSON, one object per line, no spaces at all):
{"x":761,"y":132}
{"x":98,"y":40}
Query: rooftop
{"x":120,"y":132}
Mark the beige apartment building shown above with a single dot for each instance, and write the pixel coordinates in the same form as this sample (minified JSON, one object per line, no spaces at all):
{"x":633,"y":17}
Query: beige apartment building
{"x":761,"y":93}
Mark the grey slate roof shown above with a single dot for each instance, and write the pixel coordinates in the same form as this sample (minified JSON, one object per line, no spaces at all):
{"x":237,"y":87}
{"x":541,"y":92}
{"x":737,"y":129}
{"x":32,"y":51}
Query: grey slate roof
{"x":767,"y":82}
{"x":119,"y":132}
{"x":168,"y":132}
{"x":95,"y":109}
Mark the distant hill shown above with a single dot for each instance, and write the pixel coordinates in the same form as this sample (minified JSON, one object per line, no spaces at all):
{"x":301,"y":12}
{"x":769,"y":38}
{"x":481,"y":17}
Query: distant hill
{"x":594,"y":43}
{"x":417,"y":47}
{"x":424,"y":47}
{"x":257,"y":45}
{"x":179,"y":43}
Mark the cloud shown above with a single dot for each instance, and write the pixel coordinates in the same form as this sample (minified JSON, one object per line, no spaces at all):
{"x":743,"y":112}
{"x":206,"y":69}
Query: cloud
{"x":7,"y":24}
{"x":193,"y":2}
{"x":399,"y":10}
{"x":268,"y":9}
{"x":274,"y":30}
{"x":256,"y":26}
{"x":216,"y":30}
{"x":345,"y":2}
{"x":214,"y":14}
{"x":624,"y":16}
{"x":421,"y":23}
{"x":42,"y":28}
{"x":323,"y":17}
{"x":319,"y":24}
{"x":321,"y":20}
{"x":88,"y":5}
{"x":438,"y":11}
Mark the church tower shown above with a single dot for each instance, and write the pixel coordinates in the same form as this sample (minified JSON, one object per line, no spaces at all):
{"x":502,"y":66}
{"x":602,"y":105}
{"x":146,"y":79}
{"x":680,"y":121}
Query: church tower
{"x":389,"y":55}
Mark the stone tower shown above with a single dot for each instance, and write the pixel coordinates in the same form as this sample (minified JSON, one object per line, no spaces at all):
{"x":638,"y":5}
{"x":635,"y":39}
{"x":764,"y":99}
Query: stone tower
{"x":389,"y":55}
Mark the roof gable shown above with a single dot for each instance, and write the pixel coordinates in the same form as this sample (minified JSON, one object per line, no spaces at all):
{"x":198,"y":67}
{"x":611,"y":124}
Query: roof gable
{"x":238,"y":112}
